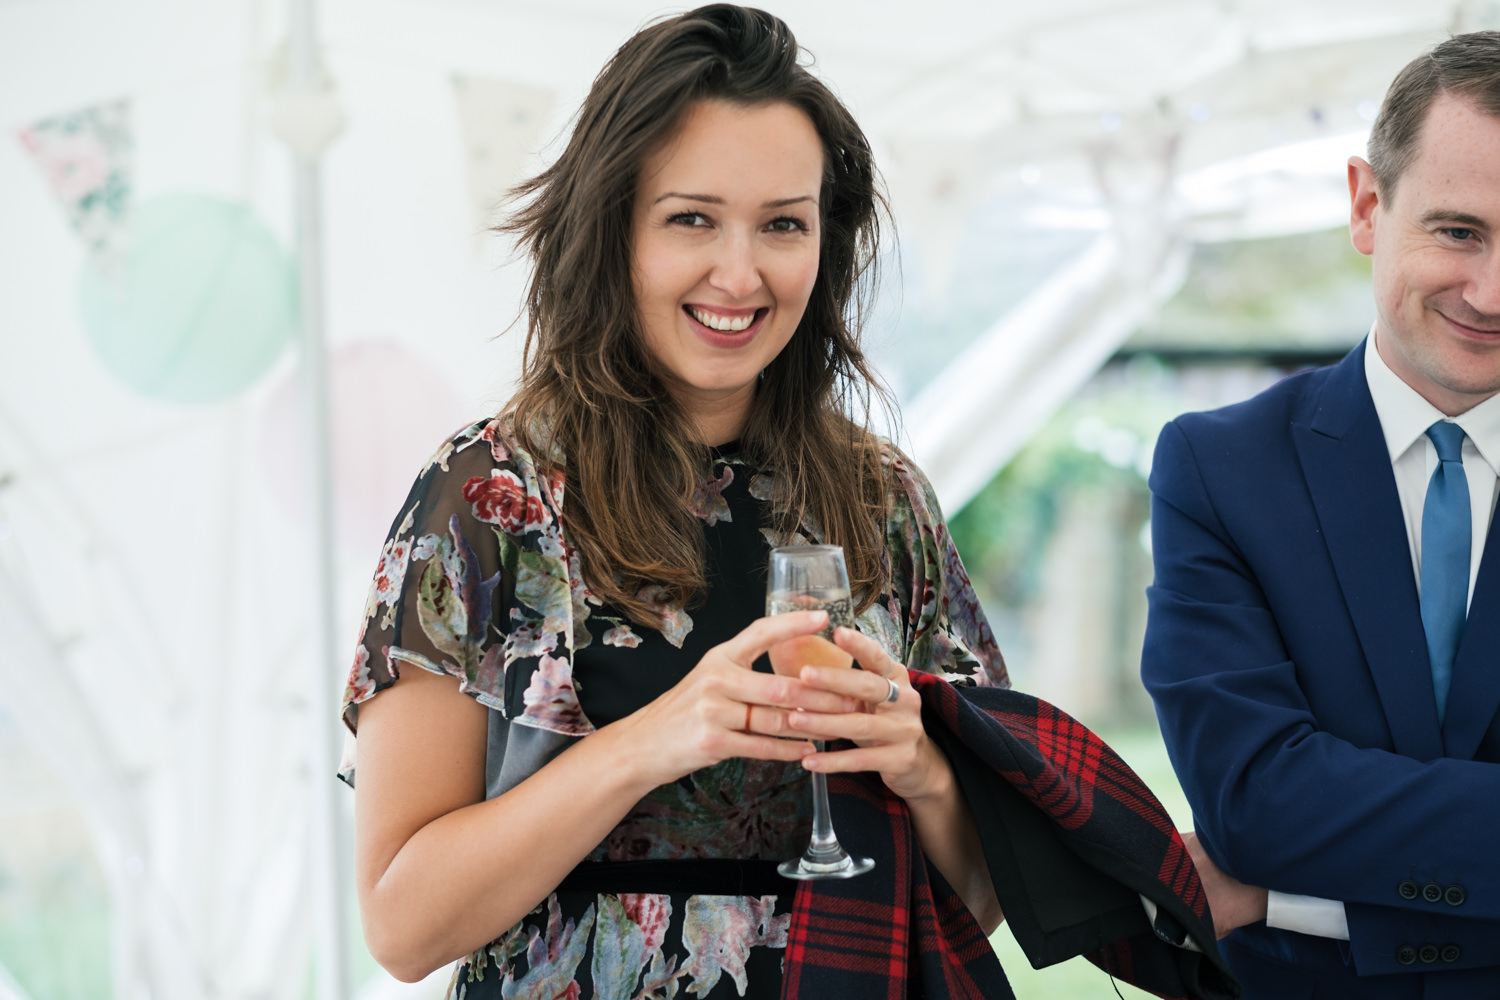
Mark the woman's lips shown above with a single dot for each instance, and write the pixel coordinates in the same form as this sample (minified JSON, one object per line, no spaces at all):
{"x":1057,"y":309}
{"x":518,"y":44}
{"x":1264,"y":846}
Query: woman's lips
{"x":726,"y":338}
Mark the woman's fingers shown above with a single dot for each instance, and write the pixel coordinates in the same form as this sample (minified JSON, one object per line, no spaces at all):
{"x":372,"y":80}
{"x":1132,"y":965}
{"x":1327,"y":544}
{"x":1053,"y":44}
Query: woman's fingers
{"x":760,"y":635}
{"x":872,"y":656}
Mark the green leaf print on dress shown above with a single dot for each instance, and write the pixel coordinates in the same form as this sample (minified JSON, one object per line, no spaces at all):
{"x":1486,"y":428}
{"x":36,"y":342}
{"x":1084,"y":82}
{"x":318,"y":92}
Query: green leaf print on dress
{"x":619,"y":952}
{"x":453,"y":603}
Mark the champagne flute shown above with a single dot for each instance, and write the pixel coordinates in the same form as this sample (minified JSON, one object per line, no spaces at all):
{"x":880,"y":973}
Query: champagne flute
{"x":812,"y":578}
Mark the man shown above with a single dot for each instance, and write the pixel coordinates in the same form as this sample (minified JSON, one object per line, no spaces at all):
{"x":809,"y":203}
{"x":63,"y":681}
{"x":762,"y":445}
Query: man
{"x":1324,"y":636}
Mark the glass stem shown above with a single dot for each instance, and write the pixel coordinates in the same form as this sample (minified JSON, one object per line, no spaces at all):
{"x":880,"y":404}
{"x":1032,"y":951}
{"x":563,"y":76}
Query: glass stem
{"x":824,"y":846}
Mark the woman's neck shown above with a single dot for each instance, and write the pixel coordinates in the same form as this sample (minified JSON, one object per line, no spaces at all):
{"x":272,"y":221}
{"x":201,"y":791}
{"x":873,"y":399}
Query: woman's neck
{"x":719,"y":418}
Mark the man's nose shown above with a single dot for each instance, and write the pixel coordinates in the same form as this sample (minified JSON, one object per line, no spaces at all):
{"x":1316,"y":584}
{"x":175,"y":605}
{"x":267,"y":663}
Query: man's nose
{"x":1483,"y":293}
{"x":736,"y":272}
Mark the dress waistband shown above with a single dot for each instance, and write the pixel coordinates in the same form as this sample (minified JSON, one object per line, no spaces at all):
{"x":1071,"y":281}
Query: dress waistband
{"x":688,"y":876}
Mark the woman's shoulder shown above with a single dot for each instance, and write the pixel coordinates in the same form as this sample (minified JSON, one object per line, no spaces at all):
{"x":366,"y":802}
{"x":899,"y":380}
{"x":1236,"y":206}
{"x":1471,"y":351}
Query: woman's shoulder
{"x":491,"y":440}
{"x":488,"y":465}
{"x":910,"y":492}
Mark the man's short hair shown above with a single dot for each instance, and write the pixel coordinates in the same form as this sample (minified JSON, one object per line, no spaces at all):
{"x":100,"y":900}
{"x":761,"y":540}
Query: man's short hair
{"x":1463,"y":66}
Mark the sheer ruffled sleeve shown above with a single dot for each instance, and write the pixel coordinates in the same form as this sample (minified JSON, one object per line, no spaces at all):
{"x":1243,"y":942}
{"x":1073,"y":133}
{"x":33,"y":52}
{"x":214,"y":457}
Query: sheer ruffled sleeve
{"x":943,"y":629}
{"x":475,"y":582}
{"x":433,"y":601}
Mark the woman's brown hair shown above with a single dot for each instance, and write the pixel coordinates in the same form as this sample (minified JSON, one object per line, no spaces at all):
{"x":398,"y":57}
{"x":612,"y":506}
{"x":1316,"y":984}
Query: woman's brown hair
{"x":590,"y":386}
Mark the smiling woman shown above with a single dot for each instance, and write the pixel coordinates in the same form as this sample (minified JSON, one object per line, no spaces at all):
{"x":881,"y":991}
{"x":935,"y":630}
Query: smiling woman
{"x":724,"y":252}
{"x":576,"y":769}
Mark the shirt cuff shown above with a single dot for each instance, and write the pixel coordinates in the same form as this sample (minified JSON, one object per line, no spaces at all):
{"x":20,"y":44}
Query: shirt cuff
{"x":1307,"y":915}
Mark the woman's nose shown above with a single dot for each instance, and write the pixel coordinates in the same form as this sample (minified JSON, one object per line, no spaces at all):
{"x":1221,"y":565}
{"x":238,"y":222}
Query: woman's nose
{"x":736,"y":271}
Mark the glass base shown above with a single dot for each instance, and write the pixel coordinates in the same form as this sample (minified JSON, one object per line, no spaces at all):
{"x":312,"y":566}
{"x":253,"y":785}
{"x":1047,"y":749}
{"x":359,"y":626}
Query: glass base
{"x":845,"y":867}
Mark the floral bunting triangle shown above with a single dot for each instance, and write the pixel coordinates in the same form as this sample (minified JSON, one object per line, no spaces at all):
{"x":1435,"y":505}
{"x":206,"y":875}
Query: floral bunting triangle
{"x":87,"y":157}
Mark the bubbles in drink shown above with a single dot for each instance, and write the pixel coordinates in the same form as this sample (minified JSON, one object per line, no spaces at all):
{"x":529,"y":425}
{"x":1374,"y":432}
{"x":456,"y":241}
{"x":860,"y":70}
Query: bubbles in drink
{"x":836,"y":602}
{"x":815,"y":650}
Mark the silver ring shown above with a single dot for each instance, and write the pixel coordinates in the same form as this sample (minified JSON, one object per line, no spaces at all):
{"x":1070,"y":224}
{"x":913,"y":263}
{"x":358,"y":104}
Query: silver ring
{"x":895,"y":694}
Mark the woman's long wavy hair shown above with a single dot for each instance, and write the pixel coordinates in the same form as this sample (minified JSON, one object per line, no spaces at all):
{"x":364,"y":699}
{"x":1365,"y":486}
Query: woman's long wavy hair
{"x":590,"y":386}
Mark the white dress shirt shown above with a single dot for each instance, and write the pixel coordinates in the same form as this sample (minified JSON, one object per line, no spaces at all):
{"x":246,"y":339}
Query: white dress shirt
{"x":1404,"y":419}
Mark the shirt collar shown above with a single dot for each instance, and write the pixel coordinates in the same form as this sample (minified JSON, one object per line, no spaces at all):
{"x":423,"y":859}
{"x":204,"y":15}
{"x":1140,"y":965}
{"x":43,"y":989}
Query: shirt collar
{"x":1405,"y":415}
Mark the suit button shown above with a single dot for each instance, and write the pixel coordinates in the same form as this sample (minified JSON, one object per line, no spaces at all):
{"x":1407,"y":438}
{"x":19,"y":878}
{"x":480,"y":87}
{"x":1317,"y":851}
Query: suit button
{"x":1406,"y":954}
{"x":1407,"y":889}
{"x":1451,"y":953}
{"x":1428,"y":954}
{"x":1432,"y":892}
{"x":1454,"y":895}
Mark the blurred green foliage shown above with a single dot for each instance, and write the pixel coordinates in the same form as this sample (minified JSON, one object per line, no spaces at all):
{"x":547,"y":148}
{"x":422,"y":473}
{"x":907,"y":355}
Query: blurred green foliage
{"x":1305,"y":290}
{"x":1101,"y":440}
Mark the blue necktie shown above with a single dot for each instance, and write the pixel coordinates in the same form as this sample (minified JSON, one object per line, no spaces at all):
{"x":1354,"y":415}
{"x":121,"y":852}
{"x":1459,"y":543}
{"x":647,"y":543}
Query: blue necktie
{"x":1446,"y":528}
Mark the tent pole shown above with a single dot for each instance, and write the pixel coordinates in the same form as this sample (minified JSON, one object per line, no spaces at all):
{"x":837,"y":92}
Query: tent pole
{"x":327,"y":864}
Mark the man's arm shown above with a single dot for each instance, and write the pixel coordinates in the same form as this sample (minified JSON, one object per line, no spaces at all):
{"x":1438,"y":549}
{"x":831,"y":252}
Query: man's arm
{"x":1279,"y":803}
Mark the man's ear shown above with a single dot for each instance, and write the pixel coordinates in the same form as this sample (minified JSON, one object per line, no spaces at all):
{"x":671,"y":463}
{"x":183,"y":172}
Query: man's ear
{"x":1363,"y":200}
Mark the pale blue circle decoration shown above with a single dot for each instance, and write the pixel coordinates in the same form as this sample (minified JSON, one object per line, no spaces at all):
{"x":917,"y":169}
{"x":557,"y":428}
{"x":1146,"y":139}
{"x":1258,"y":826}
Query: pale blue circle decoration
{"x":203,"y":304}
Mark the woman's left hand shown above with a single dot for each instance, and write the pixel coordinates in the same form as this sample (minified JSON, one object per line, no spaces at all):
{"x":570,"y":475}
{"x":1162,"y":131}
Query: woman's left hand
{"x":888,"y":734}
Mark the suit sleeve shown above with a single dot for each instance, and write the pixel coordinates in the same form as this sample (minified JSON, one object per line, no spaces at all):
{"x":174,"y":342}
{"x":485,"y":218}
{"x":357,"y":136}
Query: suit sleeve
{"x":1278,"y":803}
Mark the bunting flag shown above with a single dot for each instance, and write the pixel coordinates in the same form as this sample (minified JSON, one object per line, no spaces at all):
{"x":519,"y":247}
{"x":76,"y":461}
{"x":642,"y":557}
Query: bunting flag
{"x":87,"y":158}
{"x":502,"y":125}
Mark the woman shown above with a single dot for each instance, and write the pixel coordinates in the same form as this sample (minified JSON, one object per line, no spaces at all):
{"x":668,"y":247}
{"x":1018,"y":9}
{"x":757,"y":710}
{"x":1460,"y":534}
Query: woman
{"x":580,"y":776}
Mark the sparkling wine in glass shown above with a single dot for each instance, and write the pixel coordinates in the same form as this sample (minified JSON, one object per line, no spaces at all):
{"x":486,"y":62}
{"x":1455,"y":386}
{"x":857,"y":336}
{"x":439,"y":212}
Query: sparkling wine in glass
{"x":813,"y":578}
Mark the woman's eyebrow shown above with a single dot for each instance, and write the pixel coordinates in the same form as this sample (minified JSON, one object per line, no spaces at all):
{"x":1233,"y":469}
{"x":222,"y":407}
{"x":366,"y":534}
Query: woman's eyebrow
{"x":713,"y":199}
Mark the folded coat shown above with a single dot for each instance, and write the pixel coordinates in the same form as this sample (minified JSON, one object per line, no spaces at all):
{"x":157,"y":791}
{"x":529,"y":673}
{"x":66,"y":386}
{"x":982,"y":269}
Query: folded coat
{"x":1074,"y":841}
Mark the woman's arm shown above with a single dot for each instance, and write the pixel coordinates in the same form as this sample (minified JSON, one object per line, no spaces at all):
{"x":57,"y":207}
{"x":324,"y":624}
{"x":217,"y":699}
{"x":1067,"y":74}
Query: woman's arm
{"x":892,"y":741}
{"x":441,"y":872}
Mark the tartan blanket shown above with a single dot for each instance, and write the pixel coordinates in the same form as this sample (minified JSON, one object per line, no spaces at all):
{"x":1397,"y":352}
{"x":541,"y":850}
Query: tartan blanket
{"x":1073,"y":839}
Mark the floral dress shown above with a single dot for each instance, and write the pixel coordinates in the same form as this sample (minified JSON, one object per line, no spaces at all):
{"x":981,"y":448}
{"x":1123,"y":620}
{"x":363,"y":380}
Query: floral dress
{"x":477,"y":580}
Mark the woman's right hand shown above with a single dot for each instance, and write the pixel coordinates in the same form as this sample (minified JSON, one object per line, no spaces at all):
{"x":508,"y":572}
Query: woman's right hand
{"x":724,"y":708}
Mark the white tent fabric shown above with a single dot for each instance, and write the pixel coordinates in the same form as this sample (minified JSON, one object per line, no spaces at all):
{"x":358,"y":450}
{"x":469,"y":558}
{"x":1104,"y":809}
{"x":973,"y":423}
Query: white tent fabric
{"x":152,"y":583}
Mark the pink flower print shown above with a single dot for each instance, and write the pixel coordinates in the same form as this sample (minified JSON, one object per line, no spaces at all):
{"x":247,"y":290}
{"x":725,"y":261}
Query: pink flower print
{"x":525,"y":641}
{"x":391,"y":571}
{"x":651,"y":913}
{"x":708,"y":500}
{"x":719,"y":932}
{"x":622,"y":636}
{"x":676,"y":622}
{"x":551,"y":700}
{"x":499,"y":449}
{"x":762,"y":486}
{"x":501,"y":499}
{"x":361,"y":685}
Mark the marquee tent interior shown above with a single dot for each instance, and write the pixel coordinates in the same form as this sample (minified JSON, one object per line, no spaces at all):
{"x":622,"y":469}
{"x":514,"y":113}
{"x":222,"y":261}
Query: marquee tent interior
{"x":1050,"y":167}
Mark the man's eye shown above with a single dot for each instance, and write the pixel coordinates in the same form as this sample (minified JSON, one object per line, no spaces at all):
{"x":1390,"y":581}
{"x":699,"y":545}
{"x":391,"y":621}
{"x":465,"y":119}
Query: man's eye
{"x":687,"y":219}
{"x":1460,"y":233}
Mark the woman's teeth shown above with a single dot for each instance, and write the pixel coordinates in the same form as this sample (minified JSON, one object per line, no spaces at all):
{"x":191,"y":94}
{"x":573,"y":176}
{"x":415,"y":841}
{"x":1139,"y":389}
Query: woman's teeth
{"x":724,"y":324}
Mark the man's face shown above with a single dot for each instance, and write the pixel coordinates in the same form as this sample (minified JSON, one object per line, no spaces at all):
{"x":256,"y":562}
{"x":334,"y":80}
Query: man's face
{"x":1436,"y":263}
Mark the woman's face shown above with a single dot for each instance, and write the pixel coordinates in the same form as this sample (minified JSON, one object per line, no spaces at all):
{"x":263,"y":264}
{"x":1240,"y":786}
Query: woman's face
{"x":724,"y":242}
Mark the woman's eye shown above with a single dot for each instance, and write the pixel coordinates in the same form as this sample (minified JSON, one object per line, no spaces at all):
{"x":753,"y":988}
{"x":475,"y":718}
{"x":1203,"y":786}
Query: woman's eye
{"x":687,"y":219}
{"x":787,"y":224}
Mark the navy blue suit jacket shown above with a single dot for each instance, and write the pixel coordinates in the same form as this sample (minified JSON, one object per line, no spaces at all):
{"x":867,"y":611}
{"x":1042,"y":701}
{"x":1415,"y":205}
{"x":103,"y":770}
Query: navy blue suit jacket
{"x":1285,"y":653}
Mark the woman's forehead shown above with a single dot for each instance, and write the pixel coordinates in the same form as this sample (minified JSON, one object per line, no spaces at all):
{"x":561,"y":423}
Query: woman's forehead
{"x":724,"y":152}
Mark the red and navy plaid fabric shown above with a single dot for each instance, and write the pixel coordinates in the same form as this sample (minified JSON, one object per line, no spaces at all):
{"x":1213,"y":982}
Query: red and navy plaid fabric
{"x":901,"y":931}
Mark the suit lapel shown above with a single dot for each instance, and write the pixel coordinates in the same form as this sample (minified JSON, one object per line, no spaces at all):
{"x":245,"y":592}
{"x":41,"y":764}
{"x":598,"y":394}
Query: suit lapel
{"x":1348,"y":470}
{"x":1475,"y":695}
